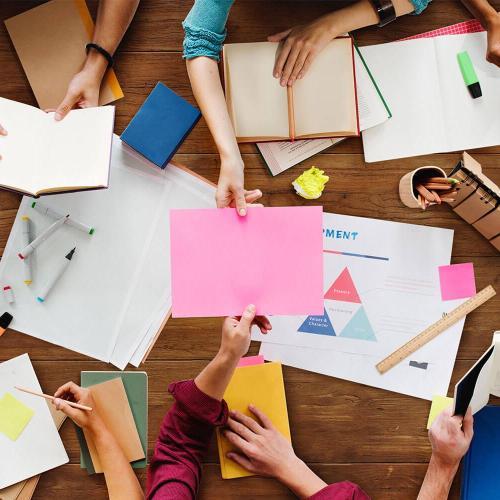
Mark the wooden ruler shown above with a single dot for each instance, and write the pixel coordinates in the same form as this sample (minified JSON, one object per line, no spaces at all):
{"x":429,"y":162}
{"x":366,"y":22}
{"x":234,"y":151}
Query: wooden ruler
{"x":434,"y":330}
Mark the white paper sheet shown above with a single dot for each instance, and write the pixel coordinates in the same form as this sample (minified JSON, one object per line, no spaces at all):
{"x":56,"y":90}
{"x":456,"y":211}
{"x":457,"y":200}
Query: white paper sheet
{"x":381,"y":286}
{"x":39,"y":447}
{"x":432,"y":109}
{"x":105,"y":302}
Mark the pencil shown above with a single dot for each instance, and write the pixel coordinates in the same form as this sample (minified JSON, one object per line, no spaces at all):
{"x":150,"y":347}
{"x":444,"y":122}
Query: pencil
{"x":437,"y":186}
{"x":438,"y":199}
{"x":444,"y":180}
{"x":424,"y":192}
{"x":291,"y":113}
{"x":51,"y":398}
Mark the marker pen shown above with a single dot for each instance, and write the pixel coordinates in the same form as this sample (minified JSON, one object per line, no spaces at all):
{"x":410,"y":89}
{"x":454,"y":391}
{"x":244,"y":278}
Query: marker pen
{"x":5,"y":320}
{"x":469,"y":74}
{"x":26,"y":241}
{"x":50,"y":212}
{"x":58,"y":272}
{"x":8,"y":293}
{"x":29,"y":249}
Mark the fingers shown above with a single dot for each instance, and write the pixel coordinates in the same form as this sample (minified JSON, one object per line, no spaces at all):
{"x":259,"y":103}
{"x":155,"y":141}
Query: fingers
{"x":237,"y":441}
{"x":66,"y":105}
{"x":290,"y":63}
{"x":248,"y":317}
{"x":2,"y":131}
{"x":281,"y":57}
{"x":263,"y":323}
{"x":264,"y":419}
{"x":63,"y":406}
{"x":297,"y":68}
{"x":240,"y":429}
{"x":241,"y":204}
{"x":240,"y":460}
{"x":277,"y":37}
{"x":69,"y":389}
{"x":468,"y":424}
{"x":248,"y":422}
{"x":252,"y":196}
{"x":306,"y":66}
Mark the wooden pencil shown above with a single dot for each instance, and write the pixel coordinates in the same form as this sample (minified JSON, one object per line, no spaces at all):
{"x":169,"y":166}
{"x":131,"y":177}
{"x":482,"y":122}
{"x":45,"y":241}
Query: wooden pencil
{"x":51,"y":398}
{"x":291,"y":113}
{"x":436,"y":186}
{"x":438,"y":199}
{"x":425,"y":192}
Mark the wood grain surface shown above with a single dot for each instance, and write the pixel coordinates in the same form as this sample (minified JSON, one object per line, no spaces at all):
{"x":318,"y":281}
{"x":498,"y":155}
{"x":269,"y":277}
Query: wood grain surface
{"x":343,"y":430}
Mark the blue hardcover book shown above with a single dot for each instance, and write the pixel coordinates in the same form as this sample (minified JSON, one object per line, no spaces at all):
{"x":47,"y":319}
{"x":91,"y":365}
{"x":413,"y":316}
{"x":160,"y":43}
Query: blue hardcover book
{"x":481,"y":465}
{"x":161,"y":125}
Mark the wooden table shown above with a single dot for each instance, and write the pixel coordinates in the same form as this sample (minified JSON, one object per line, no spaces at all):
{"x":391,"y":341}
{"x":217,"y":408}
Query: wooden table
{"x":343,"y":430}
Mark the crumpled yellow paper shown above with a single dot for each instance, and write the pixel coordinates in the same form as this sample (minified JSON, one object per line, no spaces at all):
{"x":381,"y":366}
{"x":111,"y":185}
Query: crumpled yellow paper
{"x":311,"y":183}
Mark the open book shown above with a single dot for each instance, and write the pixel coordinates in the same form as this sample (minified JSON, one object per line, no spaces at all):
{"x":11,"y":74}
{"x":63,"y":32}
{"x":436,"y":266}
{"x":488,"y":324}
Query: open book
{"x":322,"y":104}
{"x":42,"y":156}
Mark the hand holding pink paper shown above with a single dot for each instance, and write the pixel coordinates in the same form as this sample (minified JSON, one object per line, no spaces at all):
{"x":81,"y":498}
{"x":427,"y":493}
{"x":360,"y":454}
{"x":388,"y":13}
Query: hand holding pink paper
{"x":272,"y":258}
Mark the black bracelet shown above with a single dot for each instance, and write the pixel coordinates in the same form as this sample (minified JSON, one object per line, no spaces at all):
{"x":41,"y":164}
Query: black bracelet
{"x":101,"y":51}
{"x":385,"y":10}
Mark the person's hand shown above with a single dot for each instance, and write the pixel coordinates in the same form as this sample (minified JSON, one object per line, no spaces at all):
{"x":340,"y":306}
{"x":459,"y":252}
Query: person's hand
{"x":261,"y":448}
{"x":493,"y":50}
{"x":83,"y":418}
{"x":450,"y":437}
{"x":299,"y":47}
{"x":83,"y":92}
{"x":236,"y":332}
{"x":230,"y":190}
{"x":2,"y":132}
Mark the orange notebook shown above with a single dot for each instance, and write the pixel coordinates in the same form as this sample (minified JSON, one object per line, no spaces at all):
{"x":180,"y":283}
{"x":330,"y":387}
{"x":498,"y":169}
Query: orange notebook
{"x":50,"y":42}
{"x":322,"y":104}
{"x":261,"y":385}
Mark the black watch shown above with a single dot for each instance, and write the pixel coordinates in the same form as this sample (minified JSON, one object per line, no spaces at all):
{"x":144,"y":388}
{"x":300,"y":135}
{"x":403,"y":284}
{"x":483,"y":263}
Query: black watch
{"x":385,"y":10}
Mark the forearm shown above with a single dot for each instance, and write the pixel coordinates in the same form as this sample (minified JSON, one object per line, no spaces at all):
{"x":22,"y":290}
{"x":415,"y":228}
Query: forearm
{"x":214,"y":378}
{"x":301,"y":480}
{"x":437,"y":481}
{"x":113,"y":19}
{"x":482,"y":10}
{"x":207,"y":88}
{"x":120,"y":477}
{"x":361,"y":14}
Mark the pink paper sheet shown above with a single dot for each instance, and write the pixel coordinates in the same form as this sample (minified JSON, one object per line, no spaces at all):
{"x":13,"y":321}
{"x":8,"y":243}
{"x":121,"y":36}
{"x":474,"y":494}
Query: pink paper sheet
{"x":457,"y":281}
{"x":251,"y":360}
{"x":272,"y":258}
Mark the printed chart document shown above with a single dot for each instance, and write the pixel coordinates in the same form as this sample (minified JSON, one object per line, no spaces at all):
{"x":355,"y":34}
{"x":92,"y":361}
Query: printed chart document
{"x":42,"y":156}
{"x":432,"y":109}
{"x":381,"y":288}
{"x":117,"y":290}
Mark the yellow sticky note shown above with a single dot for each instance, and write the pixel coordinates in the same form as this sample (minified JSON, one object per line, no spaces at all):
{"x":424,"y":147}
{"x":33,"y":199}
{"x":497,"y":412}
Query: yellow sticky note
{"x":14,"y":416}
{"x":260,"y":385}
{"x":439,"y":403}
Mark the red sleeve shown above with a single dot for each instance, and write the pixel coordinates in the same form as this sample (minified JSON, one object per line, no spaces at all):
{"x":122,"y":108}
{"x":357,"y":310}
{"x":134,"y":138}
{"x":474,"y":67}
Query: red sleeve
{"x":341,"y":491}
{"x":185,"y":434}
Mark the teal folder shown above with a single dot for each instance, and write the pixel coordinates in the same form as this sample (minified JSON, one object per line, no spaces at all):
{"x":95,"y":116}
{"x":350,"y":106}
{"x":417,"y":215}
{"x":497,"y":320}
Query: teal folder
{"x":136,"y":387}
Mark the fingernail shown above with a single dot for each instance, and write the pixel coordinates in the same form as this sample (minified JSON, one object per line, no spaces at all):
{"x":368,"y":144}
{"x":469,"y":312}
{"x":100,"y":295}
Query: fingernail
{"x":57,"y":117}
{"x":251,"y":308}
{"x":242,"y":211}
{"x":276,"y":75}
{"x":282,"y":83}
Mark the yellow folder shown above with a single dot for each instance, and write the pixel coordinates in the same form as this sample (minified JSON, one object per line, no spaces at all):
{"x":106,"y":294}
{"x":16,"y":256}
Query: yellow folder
{"x":260,"y":385}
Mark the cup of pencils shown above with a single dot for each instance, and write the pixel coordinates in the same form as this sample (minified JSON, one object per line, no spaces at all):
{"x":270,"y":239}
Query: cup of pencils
{"x":427,"y":186}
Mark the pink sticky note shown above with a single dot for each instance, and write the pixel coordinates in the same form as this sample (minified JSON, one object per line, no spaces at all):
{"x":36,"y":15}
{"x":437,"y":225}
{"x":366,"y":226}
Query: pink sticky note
{"x":457,"y":281}
{"x":272,"y":258}
{"x":251,"y":360}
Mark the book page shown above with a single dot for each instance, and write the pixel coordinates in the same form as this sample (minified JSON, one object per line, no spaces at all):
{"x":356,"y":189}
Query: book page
{"x":407,"y":75}
{"x":20,"y":149}
{"x":470,"y":123}
{"x":257,"y":103}
{"x":78,"y":150}
{"x":325,"y":99}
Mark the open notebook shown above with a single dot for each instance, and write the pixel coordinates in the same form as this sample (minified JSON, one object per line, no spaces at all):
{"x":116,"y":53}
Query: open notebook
{"x":322,"y":104}
{"x":42,"y":156}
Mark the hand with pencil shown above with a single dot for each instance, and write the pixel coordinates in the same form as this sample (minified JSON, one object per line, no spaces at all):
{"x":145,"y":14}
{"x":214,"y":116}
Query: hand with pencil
{"x":435,"y":190}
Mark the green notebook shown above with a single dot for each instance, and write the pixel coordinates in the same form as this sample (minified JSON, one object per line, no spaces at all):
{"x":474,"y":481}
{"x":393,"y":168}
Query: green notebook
{"x":136,"y":387}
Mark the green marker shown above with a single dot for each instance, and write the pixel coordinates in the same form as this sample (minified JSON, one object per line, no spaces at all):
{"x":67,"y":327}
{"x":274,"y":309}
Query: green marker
{"x":54,"y":214}
{"x":469,"y":74}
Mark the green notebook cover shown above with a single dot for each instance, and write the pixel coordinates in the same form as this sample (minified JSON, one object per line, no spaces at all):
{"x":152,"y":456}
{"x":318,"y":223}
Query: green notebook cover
{"x":136,"y":387}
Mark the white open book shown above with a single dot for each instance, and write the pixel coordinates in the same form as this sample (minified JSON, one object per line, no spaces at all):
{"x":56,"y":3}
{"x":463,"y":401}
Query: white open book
{"x":42,"y":156}
{"x":322,"y":104}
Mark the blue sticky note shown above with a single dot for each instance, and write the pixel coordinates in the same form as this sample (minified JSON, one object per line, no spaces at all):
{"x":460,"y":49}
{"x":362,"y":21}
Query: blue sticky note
{"x":161,"y":125}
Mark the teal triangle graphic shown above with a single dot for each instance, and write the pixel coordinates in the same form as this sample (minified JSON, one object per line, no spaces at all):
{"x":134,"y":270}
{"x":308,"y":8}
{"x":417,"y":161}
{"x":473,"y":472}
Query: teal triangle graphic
{"x":359,"y":327}
{"x":319,"y":325}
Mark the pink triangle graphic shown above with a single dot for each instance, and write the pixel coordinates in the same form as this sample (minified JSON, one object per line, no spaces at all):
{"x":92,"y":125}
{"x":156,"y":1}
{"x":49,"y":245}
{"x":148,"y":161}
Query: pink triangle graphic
{"x":343,"y":289}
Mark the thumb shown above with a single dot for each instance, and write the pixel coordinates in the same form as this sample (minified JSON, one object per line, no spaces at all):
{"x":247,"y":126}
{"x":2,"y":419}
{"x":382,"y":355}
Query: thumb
{"x":241,"y":204}
{"x":277,"y":37}
{"x":66,"y":105}
{"x":247,"y":317}
{"x":2,"y":131}
{"x":468,"y":424}
{"x":68,"y":410}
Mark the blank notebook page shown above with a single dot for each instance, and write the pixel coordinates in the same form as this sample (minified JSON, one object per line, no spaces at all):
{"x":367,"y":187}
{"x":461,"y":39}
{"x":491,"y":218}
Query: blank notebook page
{"x":258,"y":103}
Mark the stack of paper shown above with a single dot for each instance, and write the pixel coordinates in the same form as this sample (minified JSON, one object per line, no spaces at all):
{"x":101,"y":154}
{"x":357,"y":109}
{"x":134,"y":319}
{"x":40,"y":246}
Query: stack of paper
{"x":29,"y":441}
{"x":381,"y":288}
{"x":111,"y":303}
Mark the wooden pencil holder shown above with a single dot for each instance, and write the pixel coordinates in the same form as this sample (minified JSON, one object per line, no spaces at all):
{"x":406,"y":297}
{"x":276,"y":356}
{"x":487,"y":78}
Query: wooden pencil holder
{"x":407,"y":191}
